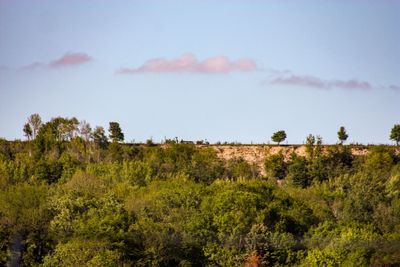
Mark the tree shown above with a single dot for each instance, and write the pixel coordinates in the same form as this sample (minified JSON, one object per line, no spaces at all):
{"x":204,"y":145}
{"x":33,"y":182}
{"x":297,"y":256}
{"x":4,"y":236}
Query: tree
{"x":310,"y":142}
{"x":276,"y":166}
{"x":116,"y":133}
{"x":72,"y":127}
{"x":342,"y":135}
{"x":279,"y":136}
{"x":298,"y":172}
{"x":85,"y":130}
{"x":395,"y":134}
{"x":66,"y":128}
{"x":25,"y":216}
{"x":83,"y":252}
{"x":35,"y":122}
{"x":99,"y":138}
{"x":27,"y":131}
{"x":60,"y":128}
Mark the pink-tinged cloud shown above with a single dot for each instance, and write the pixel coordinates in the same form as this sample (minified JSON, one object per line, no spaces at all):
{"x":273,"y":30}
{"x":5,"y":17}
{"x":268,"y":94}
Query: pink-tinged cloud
{"x":351,"y":84}
{"x":306,"y":81}
{"x":290,"y":79}
{"x":70,"y":59}
{"x":188,"y":63}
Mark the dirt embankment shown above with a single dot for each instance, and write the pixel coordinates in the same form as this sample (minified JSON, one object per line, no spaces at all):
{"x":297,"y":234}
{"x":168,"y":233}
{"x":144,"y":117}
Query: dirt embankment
{"x":257,"y":153}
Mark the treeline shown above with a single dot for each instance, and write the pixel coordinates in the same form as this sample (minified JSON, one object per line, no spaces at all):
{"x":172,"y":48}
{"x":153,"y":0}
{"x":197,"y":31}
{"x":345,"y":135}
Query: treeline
{"x":72,"y":196}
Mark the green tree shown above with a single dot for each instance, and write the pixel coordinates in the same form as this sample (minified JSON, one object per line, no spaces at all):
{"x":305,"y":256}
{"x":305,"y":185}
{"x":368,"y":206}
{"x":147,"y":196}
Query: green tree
{"x":115,"y":151}
{"x":276,"y":166}
{"x":66,"y":128}
{"x":341,"y":245}
{"x":35,"y":122}
{"x":279,"y":136}
{"x":99,"y":137}
{"x":310,"y":142}
{"x":237,"y":168}
{"x":24,"y":214}
{"x":298,"y":172}
{"x":272,"y":248}
{"x":48,"y":139}
{"x":116,"y":134}
{"x":342,"y":134}
{"x":166,"y":219}
{"x":395,"y":134}
{"x":27,"y":131}
{"x":83,"y":252}
{"x":205,"y":166}
{"x":379,"y":160}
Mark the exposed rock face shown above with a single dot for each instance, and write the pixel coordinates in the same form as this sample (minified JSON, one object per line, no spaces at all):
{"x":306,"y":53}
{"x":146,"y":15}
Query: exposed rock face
{"x":257,"y":153}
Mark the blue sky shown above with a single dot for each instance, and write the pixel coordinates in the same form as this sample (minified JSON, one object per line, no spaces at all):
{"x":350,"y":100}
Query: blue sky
{"x":224,"y":70}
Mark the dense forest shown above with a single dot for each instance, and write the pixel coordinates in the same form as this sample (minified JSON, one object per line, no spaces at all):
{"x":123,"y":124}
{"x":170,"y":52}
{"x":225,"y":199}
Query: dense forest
{"x":71,"y":195}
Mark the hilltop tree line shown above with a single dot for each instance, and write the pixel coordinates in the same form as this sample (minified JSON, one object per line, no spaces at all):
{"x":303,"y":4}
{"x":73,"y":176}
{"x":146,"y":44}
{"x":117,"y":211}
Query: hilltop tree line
{"x":68,"y":128}
{"x":76,"y":196}
{"x":280,"y":136}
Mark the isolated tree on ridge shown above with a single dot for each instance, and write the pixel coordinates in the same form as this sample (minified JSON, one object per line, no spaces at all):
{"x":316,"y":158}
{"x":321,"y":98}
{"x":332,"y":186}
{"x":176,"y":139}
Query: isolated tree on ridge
{"x":116,"y":134}
{"x":279,"y":137}
{"x":342,"y":135}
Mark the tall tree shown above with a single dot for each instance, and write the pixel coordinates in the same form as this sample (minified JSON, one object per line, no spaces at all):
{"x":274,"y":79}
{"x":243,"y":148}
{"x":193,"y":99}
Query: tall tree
{"x":276,"y":166}
{"x":342,"y":135}
{"x":27,"y":131}
{"x":116,"y":133}
{"x":279,"y":136}
{"x":35,"y":122}
{"x":73,"y":127}
{"x":310,"y":142}
{"x":65,"y":128}
{"x":99,"y":137}
{"x":395,"y":134}
{"x":85,"y":130}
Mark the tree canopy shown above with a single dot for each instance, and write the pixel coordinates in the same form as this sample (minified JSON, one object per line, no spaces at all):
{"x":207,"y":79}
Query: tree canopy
{"x":395,"y":134}
{"x":116,"y":134}
{"x":69,"y":198}
{"x":342,"y":135}
{"x":279,"y":136}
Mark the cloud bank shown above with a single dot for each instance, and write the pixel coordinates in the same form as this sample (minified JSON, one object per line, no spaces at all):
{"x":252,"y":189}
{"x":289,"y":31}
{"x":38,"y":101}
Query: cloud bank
{"x":67,"y":60}
{"x":188,"y":63}
{"x":287,"y":78}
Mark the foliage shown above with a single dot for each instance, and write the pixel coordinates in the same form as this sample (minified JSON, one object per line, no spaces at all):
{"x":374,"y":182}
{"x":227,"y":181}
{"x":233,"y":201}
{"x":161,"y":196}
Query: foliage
{"x":342,"y":134}
{"x":298,"y":172}
{"x":69,"y":198}
{"x":34,"y":122}
{"x":275,"y":166}
{"x":279,"y":136}
{"x":99,"y":137}
{"x":116,"y":134}
{"x":395,"y":134}
{"x":27,"y":131}
{"x":82,"y":252}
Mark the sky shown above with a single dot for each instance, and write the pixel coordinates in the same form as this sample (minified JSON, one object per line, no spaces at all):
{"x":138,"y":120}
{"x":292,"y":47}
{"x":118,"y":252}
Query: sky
{"x":199,"y":69}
